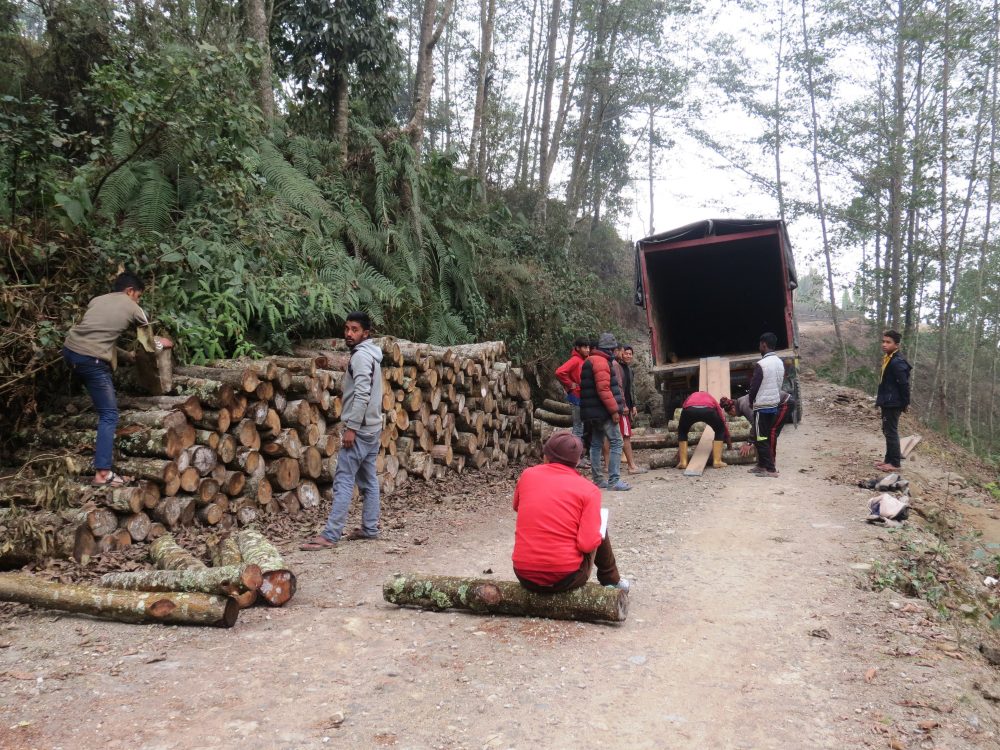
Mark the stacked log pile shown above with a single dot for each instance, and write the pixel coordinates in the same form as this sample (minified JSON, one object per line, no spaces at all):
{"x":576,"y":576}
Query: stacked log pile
{"x":243,"y":438}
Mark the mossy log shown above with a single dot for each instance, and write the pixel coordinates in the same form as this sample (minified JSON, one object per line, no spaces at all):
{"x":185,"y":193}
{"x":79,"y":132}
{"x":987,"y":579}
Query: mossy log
{"x":122,"y":606}
{"x":25,"y":537}
{"x":558,"y":420}
{"x":279,"y":583}
{"x":190,"y":405}
{"x":668,"y":458}
{"x":163,"y":472}
{"x":210,"y":393}
{"x":242,"y":378}
{"x":221,"y":581}
{"x":590,"y":603}
{"x":167,"y":554}
{"x":225,"y":552}
{"x":156,"y":418}
{"x":156,"y":443}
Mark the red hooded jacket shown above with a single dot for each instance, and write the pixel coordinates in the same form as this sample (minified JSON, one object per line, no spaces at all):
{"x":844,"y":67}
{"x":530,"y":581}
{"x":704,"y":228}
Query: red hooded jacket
{"x":568,"y":373}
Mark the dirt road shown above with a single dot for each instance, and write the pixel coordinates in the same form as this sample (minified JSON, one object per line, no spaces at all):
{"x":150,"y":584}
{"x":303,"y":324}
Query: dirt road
{"x":752,"y":625}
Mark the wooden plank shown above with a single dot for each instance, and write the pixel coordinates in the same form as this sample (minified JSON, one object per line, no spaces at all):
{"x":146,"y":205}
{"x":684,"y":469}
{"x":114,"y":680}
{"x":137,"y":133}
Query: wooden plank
{"x":698,"y":460}
{"x":907,"y":444}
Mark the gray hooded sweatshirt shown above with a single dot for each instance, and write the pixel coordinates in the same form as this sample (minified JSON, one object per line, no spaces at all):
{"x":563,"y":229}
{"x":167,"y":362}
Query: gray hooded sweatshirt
{"x":362,"y":390}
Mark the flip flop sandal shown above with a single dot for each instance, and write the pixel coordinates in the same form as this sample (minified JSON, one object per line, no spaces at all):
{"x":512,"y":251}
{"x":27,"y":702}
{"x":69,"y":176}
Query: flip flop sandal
{"x":113,"y":480}
{"x":316,"y":543}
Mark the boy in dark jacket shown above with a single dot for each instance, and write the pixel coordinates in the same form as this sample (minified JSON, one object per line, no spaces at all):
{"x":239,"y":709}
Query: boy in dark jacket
{"x":893,"y":397}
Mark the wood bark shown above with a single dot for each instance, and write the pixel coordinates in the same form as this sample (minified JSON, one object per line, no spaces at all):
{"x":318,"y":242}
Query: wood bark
{"x":221,"y":581}
{"x":122,"y":606}
{"x":279,"y":583}
{"x":590,"y":603}
{"x":167,"y":554}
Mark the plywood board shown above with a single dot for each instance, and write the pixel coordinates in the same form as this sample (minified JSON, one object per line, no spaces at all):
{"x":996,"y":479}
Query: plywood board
{"x":907,"y":444}
{"x":699,"y":459}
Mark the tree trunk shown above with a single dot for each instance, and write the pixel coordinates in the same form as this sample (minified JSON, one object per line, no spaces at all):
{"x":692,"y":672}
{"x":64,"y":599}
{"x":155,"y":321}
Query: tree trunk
{"x":122,"y":606}
{"x":430,"y":32}
{"x":590,"y":603}
{"x":256,"y":19}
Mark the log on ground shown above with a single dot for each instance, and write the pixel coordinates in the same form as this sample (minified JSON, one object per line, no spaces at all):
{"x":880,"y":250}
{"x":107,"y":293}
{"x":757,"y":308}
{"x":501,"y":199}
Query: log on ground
{"x":279,"y":583}
{"x":222,"y":581}
{"x":123,"y":606}
{"x":167,"y":554}
{"x":590,"y":603}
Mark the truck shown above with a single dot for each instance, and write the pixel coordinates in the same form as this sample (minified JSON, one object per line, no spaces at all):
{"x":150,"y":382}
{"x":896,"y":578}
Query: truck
{"x":710,"y":289}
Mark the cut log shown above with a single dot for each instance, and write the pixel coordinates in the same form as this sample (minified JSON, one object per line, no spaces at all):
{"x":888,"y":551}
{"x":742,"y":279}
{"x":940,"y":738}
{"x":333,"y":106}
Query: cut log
{"x":226,"y":450}
{"x":242,"y":379}
{"x":258,"y":488}
{"x":190,"y":405}
{"x":465,"y":443}
{"x":222,"y":581}
{"x":279,"y":583}
{"x":554,"y":418}
{"x":233,"y":483}
{"x":284,"y":473}
{"x":200,"y":457}
{"x":590,"y":603}
{"x":297,"y":413}
{"x":122,"y":499}
{"x":210,"y":393}
{"x":116,"y":540}
{"x":156,"y":470}
{"x":123,"y":606}
{"x":308,"y":494}
{"x":155,"y":418}
{"x":246,"y":434}
{"x":247,"y":460}
{"x":208,"y":488}
{"x":224,"y":552}
{"x":190,"y":479}
{"x":137,"y":525}
{"x":218,"y":420}
{"x":155,"y":443}
{"x":210,"y":514}
{"x":166,"y":554}
{"x":286,"y":444}
{"x":310,"y":463}
{"x":266,"y":369}
{"x":175,"y":511}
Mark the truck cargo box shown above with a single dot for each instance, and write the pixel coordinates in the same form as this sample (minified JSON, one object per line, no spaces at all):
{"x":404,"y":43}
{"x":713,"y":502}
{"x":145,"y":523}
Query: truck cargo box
{"x":711,"y":289}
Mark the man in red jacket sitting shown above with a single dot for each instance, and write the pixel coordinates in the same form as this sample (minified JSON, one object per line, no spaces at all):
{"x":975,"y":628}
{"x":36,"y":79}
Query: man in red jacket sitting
{"x":568,"y":373}
{"x":557,"y":537}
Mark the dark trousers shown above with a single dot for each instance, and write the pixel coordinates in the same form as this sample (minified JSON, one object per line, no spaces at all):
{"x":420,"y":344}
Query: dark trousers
{"x":763,"y":426}
{"x":690,"y":415}
{"x":607,"y":572}
{"x":785,"y":412}
{"x":890,"y":428}
{"x":96,"y":376}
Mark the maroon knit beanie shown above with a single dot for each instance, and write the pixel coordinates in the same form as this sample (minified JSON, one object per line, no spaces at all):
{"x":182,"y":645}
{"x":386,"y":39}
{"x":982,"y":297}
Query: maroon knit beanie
{"x":563,"y":448}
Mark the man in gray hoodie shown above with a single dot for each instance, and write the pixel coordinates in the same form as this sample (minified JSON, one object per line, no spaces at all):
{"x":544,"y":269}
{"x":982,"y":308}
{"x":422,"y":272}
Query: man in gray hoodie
{"x":359,"y":445}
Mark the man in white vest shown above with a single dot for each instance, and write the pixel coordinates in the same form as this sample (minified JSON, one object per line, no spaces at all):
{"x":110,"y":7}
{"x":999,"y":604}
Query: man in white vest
{"x":765,"y":398}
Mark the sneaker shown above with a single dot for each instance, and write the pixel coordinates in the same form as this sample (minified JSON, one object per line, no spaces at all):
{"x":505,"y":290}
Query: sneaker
{"x":621,"y":486}
{"x":768,"y":474}
{"x":755,"y":470}
{"x":601,"y":484}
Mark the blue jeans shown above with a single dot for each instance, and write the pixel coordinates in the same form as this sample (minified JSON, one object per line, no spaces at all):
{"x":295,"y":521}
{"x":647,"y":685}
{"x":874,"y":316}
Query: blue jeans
{"x":610,"y":430}
{"x":355,"y":464}
{"x":96,"y":375}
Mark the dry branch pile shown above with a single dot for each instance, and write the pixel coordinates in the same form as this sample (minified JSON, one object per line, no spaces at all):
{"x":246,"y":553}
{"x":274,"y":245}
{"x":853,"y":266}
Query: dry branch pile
{"x":243,"y":438}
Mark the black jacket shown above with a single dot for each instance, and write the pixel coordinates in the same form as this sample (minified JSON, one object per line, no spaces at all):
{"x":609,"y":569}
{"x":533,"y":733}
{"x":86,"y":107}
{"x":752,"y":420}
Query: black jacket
{"x":894,"y":388}
{"x":600,"y":391}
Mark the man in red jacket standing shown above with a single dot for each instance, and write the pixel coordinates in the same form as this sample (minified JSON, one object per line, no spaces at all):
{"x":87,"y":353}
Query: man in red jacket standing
{"x":568,"y":373}
{"x":557,"y":537}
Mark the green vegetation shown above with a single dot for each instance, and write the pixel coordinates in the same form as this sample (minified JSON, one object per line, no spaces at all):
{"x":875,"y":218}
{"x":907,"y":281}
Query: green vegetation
{"x":129,"y":140}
